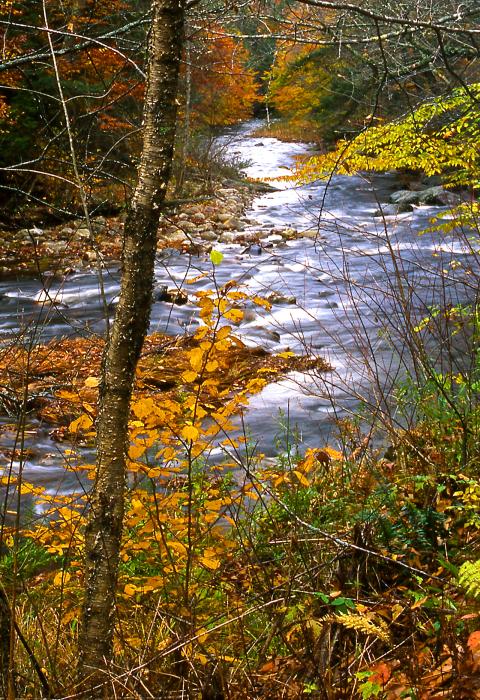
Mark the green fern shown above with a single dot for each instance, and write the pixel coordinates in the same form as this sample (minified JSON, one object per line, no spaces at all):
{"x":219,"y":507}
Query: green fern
{"x":469,"y":577}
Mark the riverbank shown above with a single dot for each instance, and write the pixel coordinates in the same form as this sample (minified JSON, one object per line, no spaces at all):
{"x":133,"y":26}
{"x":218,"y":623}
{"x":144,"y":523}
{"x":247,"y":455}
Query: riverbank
{"x":189,"y":226}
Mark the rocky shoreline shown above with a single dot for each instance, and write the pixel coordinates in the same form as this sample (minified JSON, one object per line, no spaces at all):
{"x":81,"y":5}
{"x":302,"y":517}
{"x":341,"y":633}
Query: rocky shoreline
{"x":191,"y":226}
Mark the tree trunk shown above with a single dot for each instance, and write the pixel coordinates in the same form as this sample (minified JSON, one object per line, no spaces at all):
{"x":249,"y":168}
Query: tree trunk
{"x":105,"y":520}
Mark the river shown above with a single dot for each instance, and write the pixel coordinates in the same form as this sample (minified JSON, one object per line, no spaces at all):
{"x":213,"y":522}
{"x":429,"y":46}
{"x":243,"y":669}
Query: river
{"x":345,"y":281}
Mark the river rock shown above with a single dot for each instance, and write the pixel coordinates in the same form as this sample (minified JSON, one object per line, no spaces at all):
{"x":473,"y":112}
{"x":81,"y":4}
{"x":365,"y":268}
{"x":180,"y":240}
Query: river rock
{"x":437,"y":196}
{"x":82,"y":233}
{"x":274,"y":238}
{"x":310,"y":233}
{"x":223,"y":217}
{"x":389,"y":210}
{"x":189,"y":226}
{"x":228,"y":237}
{"x":235,"y":224}
{"x":23,"y":235}
{"x":227,"y":191}
{"x":253,"y":249}
{"x":175,"y":237}
{"x":99,"y":223}
{"x":433,"y":196}
{"x":404,"y":199}
{"x":57,"y":246}
{"x":279,"y":298}
{"x":289,"y":233}
{"x":209,"y":235}
{"x":172,"y":296}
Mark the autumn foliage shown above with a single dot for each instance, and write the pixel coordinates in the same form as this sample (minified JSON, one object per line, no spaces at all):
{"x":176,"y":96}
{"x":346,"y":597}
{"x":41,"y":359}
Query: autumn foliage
{"x":224,"y":86}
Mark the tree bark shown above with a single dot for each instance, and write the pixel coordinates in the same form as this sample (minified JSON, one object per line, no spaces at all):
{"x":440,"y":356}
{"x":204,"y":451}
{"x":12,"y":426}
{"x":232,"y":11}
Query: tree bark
{"x":105,"y":520}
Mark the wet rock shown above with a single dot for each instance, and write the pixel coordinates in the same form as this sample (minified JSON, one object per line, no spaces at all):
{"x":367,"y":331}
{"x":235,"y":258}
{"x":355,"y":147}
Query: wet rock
{"x":172,"y":296}
{"x":274,"y":238}
{"x":433,"y":196}
{"x":279,"y":298}
{"x":437,"y":196}
{"x":253,"y":249}
{"x":209,"y":235}
{"x":289,"y":233}
{"x":235,"y":224}
{"x":310,"y":233}
{"x":390,"y":210}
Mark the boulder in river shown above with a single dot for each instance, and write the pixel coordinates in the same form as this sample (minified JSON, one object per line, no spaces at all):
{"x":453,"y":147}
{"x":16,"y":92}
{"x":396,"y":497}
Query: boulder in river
{"x":433,"y":196}
{"x":172,"y":296}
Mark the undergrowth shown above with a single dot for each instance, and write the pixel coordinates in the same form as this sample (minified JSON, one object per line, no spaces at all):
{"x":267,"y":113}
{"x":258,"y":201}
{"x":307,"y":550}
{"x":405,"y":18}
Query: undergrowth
{"x":327,"y":574}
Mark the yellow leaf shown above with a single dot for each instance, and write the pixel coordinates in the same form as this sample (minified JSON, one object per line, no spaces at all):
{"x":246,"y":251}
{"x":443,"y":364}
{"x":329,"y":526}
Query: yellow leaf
{"x":61,"y":579}
{"x":167,"y":453}
{"x":130,"y":589}
{"x":178,"y":547}
{"x":256,"y":385}
{"x":234,"y":315}
{"x":196,"y":358}
{"x":92,"y":382}
{"x":223,"y":333}
{"x":144,"y":408}
{"x":82,"y":423}
{"x":67,"y":395}
{"x":189,"y":376}
{"x":190,"y":432}
{"x":302,"y":479}
{"x":262,"y":302}
{"x":286,"y":354}
{"x":209,"y":562}
{"x":334,"y":454}
{"x":212,"y":366}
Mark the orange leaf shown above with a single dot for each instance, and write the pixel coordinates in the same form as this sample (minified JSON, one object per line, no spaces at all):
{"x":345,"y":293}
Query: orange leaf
{"x":381,"y":674}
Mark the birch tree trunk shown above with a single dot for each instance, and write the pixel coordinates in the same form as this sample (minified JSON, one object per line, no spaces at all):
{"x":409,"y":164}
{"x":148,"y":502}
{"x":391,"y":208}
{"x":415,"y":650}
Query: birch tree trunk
{"x":104,"y":529}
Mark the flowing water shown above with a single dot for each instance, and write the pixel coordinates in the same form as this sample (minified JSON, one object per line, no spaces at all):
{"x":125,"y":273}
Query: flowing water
{"x":345,"y":279}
